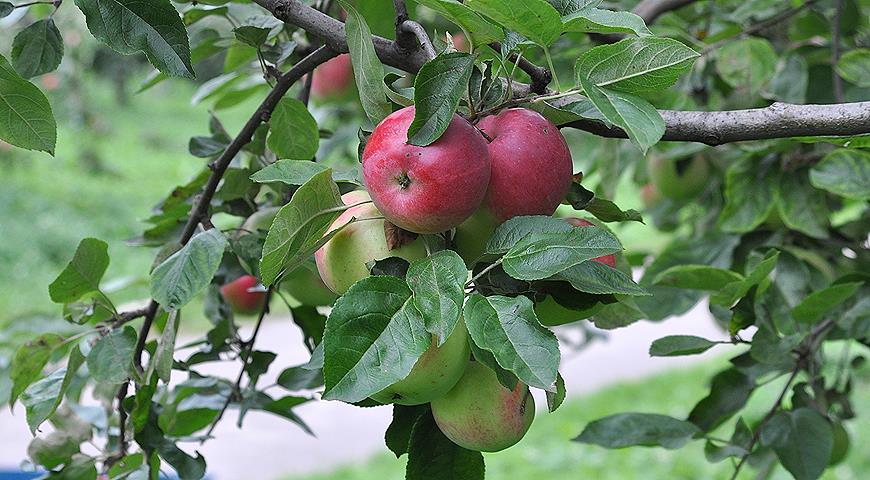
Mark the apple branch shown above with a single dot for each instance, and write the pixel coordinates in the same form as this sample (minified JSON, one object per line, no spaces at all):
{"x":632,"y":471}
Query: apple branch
{"x":779,"y":120}
{"x":650,"y":10}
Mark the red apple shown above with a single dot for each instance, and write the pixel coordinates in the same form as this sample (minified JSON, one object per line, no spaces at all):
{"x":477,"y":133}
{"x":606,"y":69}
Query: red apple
{"x":459,"y":42}
{"x":243,"y":296}
{"x":650,"y":195}
{"x":606,"y":259}
{"x":426,"y":189}
{"x":333,"y":77}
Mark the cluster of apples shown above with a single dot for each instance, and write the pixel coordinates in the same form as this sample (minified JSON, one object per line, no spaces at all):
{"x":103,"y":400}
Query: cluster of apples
{"x":473,"y":178}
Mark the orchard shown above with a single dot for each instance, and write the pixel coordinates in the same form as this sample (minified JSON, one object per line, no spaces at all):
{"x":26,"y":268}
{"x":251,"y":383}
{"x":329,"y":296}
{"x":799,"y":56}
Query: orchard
{"x":440,"y":196}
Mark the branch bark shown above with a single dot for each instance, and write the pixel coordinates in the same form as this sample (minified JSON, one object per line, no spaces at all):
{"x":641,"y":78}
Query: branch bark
{"x":713,"y":128}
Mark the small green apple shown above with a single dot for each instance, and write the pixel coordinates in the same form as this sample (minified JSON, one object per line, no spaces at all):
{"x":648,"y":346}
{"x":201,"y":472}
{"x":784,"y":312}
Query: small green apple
{"x":434,"y":374}
{"x":342,"y":261}
{"x":679,"y":179}
{"x":481,"y":414}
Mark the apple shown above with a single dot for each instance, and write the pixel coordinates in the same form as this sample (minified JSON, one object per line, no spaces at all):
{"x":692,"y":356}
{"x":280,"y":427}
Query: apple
{"x":333,"y":77}
{"x":303,"y":284}
{"x":679,"y":179}
{"x":342,"y":261}
{"x":531,"y":174}
{"x":434,"y":374}
{"x":425,"y":189}
{"x":459,"y":42}
{"x":649,"y":195}
{"x":481,"y":414}
{"x":551,"y":314}
{"x":243,"y":295}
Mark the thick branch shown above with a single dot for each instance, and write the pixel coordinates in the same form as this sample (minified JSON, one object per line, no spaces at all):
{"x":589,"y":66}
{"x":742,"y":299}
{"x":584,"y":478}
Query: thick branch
{"x":650,"y":10}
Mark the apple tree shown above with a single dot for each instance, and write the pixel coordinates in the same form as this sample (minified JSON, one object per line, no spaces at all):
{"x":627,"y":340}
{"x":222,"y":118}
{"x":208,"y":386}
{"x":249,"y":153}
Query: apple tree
{"x":427,"y":267}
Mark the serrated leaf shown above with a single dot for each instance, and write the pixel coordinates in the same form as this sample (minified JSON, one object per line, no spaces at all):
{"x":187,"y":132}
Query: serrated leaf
{"x":507,"y":328}
{"x":696,"y":277}
{"x":293,"y":132}
{"x":510,"y":233}
{"x":111,"y":358}
{"x":438,"y":87}
{"x":432,"y":456}
{"x":541,"y":256}
{"x":638,"y":118}
{"x":367,"y":68}
{"x":748,"y":63}
{"x":373,"y":338}
{"x":132,"y":26}
{"x":817,"y":304}
{"x":26,"y":120}
{"x":749,"y":196}
{"x":843,"y":172}
{"x":596,"y":20}
{"x":37,"y":49}
{"x":438,"y":284}
{"x":676,"y":345}
{"x":299,"y":225}
{"x":731,"y":292}
{"x":481,"y":30}
{"x":854,"y":67}
{"x":186,"y":272}
{"x":29,"y":360}
{"x":635,"y":65}
{"x":83,"y":273}
{"x":536,"y":20}
{"x":638,"y":429}
{"x":297,"y":172}
{"x":252,"y":35}
{"x":42,"y":398}
{"x":598,"y":278}
{"x":567,"y":7}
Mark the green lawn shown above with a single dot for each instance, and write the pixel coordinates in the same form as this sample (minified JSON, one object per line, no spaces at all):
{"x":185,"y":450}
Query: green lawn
{"x":547,"y":452}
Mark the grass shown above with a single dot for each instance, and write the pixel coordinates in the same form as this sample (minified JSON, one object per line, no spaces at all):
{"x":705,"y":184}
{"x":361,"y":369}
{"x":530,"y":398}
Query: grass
{"x":547,"y":452}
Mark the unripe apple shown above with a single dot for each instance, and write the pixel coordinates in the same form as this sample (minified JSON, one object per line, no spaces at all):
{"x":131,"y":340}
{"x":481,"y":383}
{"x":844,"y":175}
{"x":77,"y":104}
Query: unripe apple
{"x":333,"y":77}
{"x":531,"y":174}
{"x":679,"y":179}
{"x":481,"y":414}
{"x":242,"y":296}
{"x":425,"y":189}
{"x":342,"y":260}
{"x":434,"y":374}
{"x":303,"y":284}
{"x":551,"y":314}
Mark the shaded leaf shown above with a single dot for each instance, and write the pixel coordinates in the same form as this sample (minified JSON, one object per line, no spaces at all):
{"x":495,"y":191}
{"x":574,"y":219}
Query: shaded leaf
{"x":293,"y":132}
{"x":633,"y":429}
{"x":83,"y":273}
{"x":843,"y":172}
{"x":676,"y":345}
{"x":37,"y":49}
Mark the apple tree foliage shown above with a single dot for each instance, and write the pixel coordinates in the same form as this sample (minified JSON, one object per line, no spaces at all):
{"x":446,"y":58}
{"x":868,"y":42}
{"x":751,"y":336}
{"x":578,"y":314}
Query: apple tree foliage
{"x":774,"y":237}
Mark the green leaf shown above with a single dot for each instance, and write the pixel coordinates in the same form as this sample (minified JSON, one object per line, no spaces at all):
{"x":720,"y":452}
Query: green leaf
{"x":398,"y":434}
{"x":676,"y":345}
{"x":83,"y":273}
{"x":438,"y":283}
{"x":854,"y":67}
{"x":806,"y":450}
{"x":638,"y":429}
{"x":166,"y":347}
{"x":607,"y":211}
{"x":373,"y":338}
{"x":596,"y":20}
{"x":635,"y":65}
{"x":251,"y":35}
{"x":734,"y":291}
{"x":133,"y":26}
{"x":300,"y":378}
{"x":555,"y":399}
{"x":801,"y":207}
{"x":729,"y":391}
{"x":481,"y":30}
{"x":293,"y":131}
{"x":367,"y":68}
{"x":37,"y":49}
{"x":749,"y":196}
{"x":598,"y":278}
{"x":6,"y":8}
{"x":637,"y":117}
{"x":29,"y":360}
{"x":507,"y":328}
{"x":510,"y":233}
{"x":536,"y":20}
{"x":843,"y":172}
{"x":748,"y":64}
{"x":299,"y":225}
{"x":696,"y":277}
{"x":817,"y":304}
{"x":26,"y":120}
{"x":42,"y":398}
{"x":541,"y":256}
{"x":111,"y":358}
{"x":432,"y":456}
{"x":297,"y":172}
{"x":438,"y":87}
{"x":184,"y":274}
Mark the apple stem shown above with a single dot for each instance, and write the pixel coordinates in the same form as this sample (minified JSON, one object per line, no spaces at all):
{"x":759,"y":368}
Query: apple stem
{"x":487,"y":137}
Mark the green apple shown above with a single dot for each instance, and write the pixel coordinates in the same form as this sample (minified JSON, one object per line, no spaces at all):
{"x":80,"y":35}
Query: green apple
{"x":551,"y":314}
{"x":481,"y":414}
{"x":434,"y":374}
{"x":473,"y":234}
{"x":343,"y":260}
{"x":679,"y":179}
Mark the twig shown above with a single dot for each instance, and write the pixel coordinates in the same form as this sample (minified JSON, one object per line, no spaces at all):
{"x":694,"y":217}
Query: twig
{"x":126,"y":317}
{"x":541,"y":77}
{"x":835,"y":46}
{"x":650,"y":10}
{"x":246,"y":355}
{"x":413,"y":30}
{"x":762,"y":25}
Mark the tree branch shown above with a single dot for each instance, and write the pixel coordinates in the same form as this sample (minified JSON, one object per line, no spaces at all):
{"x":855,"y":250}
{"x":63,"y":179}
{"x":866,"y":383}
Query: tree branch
{"x":541,"y":76}
{"x":650,"y":10}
